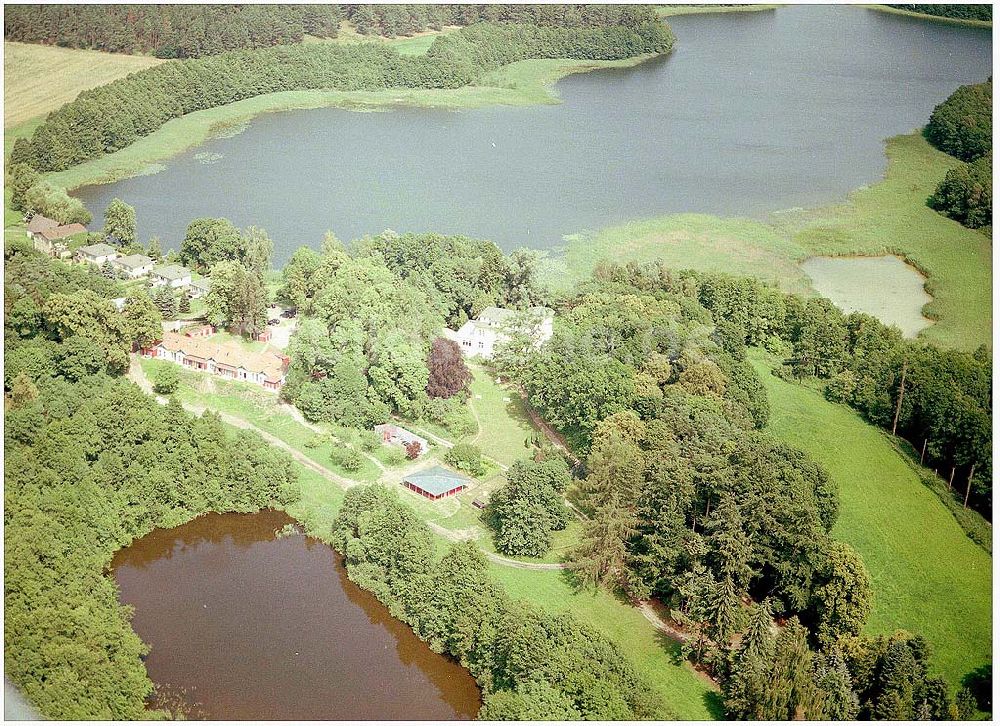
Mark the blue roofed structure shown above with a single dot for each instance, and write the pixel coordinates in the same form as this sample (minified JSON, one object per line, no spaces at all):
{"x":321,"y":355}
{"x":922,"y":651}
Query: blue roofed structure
{"x":436,"y":482}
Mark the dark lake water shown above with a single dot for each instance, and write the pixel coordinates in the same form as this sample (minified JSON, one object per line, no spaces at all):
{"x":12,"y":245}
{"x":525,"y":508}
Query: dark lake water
{"x":752,"y":113}
{"x":253,"y":627}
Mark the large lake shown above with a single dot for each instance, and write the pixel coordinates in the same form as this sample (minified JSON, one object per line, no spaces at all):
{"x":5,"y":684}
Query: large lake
{"x":244,"y":625}
{"x":752,"y":113}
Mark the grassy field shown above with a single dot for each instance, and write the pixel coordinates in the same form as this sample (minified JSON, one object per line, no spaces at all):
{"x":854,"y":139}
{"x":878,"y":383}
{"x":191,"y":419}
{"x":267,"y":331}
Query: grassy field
{"x":889,"y":217}
{"x":669,"y":11}
{"x":928,"y":577}
{"x":41,"y":78}
{"x":657,"y":658}
{"x":504,"y":427}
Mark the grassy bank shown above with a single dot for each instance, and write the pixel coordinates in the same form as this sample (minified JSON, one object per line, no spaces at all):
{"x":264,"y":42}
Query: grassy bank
{"x":925,"y":16}
{"x":519,"y":84}
{"x":41,"y":78}
{"x":928,"y":577}
{"x":888,"y":217}
{"x":669,"y":11}
{"x":688,"y":695}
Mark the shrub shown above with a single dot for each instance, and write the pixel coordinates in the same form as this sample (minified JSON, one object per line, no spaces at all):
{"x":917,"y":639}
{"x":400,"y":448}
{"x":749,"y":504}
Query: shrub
{"x":467,"y":458}
{"x":351,"y":460}
{"x":413,"y":450}
{"x":963,"y":125}
{"x":369,"y":441}
{"x":966,"y":194}
{"x":167,"y":380}
{"x":394,"y":457}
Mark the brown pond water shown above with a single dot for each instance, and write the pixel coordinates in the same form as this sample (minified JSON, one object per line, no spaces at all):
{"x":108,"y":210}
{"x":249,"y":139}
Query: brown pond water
{"x":251,"y":626}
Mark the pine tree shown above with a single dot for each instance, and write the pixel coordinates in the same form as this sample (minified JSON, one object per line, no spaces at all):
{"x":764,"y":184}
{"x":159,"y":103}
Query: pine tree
{"x":108,"y":270}
{"x":185,"y":304}
{"x":729,"y":544}
{"x":154,"y":251}
{"x":726,"y":611}
{"x":165,"y":301}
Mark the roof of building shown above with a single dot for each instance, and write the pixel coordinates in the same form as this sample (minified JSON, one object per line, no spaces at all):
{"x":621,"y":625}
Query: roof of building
{"x":497,"y":316}
{"x":437,"y":480}
{"x":134,"y":261}
{"x":171,"y":272}
{"x":269,"y":362}
{"x":98,"y":250}
{"x":65,"y":230}
{"x":202,"y":283}
{"x":39,"y":223}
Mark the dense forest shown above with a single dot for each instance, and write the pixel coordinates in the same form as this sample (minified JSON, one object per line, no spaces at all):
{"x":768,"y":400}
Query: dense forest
{"x":958,"y":11}
{"x":963,"y":126}
{"x":111,"y":117}
{"x":90,"y":464}
{"x":393,"y":20}
{"x":169,"y":31}
{"x":369,"y":321}
{"x":689,"y":500}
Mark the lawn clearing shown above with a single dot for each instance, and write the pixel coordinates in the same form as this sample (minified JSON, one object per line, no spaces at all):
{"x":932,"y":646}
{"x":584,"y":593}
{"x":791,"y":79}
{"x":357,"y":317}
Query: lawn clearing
{"x":686,"y":694}
{"x":928,"y":577}
{"x":41,"y":78}
{"x":504,"y":427}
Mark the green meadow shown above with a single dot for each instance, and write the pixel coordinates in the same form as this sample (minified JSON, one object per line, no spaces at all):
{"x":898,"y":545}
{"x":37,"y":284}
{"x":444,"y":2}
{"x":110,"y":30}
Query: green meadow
{"x":927,"y":576}
{"x":888,"y":217}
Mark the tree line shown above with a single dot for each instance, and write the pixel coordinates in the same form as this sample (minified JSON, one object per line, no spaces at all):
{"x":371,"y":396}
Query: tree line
{"x":90,"y":464}
{"x":110,"y":117}
{"x":962,"y":126}
{"x":531,"y":665}
{"x":170,"y":31}
{"x":959,"y":11}
{"x":394,"y":20}
{"x":689,"y":500}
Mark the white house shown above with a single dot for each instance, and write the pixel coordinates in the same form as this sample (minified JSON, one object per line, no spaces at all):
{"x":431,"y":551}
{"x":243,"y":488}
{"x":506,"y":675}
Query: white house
{"x":479,"y":337}
{"x":173,"y":276}
{"x":96,"y":254}
{"x":134,"y":266}
{"x":200,"y":287}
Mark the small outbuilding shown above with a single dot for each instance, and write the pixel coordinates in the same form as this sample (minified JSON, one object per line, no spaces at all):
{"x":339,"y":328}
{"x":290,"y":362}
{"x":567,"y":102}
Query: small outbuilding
{"x":436,"y":482}
{"x":393,"y":434}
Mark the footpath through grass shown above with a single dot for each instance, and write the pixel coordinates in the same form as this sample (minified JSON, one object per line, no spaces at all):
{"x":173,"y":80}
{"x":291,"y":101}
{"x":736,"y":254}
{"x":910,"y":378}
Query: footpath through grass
{"x":928,"y":577}
{"x":688,"y":695}
{"x":889,"y":217}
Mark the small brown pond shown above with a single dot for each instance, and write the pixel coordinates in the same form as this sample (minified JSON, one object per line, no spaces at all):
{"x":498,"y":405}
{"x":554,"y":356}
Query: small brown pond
{"x":248,"y":625}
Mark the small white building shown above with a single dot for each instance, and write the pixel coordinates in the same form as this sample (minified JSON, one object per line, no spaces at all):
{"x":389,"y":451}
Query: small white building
{"x":134,"y":266}
{"x":173,"y":276}
{"x":96,"y":254}
{"x":492,"y":326}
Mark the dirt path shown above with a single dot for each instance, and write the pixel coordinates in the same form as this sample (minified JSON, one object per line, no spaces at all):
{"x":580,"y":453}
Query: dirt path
{"x":138,"y":376}
{"x":463,"y":535}
{"x":297,"y":416}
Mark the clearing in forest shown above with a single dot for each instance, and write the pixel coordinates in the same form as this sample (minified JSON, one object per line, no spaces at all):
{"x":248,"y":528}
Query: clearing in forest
{"x":928,"y":576}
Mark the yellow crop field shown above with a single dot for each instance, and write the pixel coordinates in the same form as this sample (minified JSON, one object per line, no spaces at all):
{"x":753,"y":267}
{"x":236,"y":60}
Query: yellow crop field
{"x":41,"y":78}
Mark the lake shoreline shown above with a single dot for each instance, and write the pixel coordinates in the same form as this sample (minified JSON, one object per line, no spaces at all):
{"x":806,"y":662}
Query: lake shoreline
{"x":524,"y":83}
